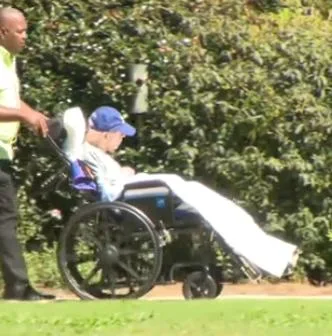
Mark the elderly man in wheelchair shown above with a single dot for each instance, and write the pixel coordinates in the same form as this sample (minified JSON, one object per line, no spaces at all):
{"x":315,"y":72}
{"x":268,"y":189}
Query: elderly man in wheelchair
{"x":114,"y":246}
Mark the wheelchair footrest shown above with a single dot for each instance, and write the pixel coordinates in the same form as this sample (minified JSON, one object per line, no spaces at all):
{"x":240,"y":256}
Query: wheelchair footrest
{"x":251,"y":271}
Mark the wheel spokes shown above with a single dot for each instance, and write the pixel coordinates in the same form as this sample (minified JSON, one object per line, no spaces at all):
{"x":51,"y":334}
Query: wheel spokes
{"x":92,"y":273}
{"x":110,"y":258}
{"x":73,"y":258}
{"x":128,"y":269}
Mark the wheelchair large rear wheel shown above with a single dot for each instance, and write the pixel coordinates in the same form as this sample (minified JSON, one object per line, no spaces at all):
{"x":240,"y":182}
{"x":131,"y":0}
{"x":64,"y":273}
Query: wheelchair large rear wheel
{"x":109,"y":251}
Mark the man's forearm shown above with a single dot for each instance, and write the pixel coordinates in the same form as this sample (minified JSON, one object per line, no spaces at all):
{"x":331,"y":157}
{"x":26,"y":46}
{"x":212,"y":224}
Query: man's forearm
{"x":25,"y":108}
{"x":10,"y":114}
{"x":15,"y":114}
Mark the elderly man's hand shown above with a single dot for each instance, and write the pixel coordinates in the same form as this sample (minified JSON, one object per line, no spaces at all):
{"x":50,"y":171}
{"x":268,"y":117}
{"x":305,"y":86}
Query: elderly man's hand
{"x":37,"y":121}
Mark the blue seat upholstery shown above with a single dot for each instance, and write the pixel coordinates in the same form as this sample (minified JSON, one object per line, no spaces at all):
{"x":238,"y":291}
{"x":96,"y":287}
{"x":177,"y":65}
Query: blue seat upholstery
{"x":80,"y":179}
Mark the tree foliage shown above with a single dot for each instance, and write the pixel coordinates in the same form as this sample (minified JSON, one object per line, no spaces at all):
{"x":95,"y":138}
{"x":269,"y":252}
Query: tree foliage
{"x":240,"y":97}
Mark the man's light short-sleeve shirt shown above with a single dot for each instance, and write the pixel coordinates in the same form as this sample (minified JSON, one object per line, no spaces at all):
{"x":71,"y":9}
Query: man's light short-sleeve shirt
{"x":9,"y":97}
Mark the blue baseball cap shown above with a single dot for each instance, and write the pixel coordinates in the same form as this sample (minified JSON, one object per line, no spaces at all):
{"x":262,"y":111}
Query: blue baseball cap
{"x":109,"y":119}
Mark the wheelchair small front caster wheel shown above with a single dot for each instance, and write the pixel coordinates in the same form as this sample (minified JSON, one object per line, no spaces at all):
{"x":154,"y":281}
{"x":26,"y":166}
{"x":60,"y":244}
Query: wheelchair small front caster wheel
{"x":220,"y":288}
{"x":199,"y":285}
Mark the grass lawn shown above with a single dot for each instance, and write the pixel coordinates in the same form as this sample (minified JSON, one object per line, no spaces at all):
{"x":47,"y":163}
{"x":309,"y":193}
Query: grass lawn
{"x":152,"y":318}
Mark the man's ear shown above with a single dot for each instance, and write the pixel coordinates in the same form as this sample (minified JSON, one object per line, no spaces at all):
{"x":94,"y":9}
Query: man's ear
{"x":3,"y":30}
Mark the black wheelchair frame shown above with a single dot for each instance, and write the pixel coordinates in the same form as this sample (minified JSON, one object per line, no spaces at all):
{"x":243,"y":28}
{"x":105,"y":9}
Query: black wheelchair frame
{"x":118,"y":250}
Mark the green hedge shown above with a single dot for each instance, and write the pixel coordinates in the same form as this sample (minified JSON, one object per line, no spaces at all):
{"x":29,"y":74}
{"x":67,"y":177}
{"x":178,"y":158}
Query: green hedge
{"x":239,"y":96}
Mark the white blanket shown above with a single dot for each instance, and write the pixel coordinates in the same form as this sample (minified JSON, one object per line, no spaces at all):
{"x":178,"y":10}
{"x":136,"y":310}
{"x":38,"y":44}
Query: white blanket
{"x":231,"y":222}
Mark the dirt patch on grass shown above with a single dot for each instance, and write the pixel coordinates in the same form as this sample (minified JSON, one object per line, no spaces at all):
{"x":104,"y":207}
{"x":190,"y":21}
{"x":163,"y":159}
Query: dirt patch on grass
{"x":281,"y":289}
{"x":293,"y":289}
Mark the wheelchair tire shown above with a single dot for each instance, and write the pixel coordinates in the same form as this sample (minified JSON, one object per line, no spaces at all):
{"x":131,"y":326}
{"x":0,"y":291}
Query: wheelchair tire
{"x":199,"y":285}
{"x":220,"y":288}
{"x":119,"y":246}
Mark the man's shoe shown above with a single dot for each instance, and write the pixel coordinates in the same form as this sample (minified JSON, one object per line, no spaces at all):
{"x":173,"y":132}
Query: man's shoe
{"x":25,"y":293}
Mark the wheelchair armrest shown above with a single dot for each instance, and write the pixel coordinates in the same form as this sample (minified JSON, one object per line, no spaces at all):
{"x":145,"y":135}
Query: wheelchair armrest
{"x":154,"y":198}
{"x":146,"y":188}
{"x":145,"y":184}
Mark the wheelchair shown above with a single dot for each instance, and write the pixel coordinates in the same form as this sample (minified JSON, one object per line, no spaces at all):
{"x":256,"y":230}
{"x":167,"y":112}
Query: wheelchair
{"x":122,"y":249}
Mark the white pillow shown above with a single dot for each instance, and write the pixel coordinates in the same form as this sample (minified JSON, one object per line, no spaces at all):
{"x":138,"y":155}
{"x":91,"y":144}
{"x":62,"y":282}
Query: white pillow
{"x":75,"y":125}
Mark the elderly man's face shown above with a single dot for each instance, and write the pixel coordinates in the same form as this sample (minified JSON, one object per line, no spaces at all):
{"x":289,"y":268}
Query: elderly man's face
{"x":13,"y":33}
{"x":113,"y":141}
